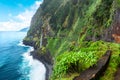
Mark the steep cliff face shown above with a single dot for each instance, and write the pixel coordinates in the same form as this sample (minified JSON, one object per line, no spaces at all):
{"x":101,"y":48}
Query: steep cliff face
{"x":59,"y":25}
{"x":70,"y":20}
{"x":62,"y":17}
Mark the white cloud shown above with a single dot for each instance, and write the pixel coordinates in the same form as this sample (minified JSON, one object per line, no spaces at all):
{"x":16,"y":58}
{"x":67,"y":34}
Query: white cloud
{"x":20,"y":21}
{"x":12,"y":26}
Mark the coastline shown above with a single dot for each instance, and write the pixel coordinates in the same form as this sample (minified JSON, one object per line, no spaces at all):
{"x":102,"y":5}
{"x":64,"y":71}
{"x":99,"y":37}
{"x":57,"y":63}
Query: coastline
{"x":46,"y":59}
{"x":46,"y":63}
{"x":34,"y":54}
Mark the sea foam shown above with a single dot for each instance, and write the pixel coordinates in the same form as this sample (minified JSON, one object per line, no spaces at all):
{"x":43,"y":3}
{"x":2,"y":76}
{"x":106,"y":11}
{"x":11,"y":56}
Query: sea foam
{"x":36,"y":69}
{"x":21,"y":44}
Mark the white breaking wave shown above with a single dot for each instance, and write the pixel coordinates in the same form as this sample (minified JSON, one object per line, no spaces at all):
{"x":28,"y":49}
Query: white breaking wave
{"x":37,"y":69}
{"x":21,"y":44}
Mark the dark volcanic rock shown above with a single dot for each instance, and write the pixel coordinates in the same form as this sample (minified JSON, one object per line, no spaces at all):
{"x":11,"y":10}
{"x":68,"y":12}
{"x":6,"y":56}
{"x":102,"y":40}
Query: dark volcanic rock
{"x":30,"y":43}
{"x":93,"y":73}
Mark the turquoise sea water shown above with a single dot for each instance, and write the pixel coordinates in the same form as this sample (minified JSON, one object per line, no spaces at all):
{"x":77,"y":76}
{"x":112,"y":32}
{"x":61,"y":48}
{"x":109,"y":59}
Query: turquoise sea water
{"x":15,"y":60}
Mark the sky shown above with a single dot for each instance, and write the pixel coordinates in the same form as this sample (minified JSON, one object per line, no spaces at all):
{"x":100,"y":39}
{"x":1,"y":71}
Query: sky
{"x":16,"y":14}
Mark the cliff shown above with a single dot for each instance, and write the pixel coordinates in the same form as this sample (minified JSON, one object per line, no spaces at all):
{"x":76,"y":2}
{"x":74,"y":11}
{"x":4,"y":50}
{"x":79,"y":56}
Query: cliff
{"x":61,"y":26}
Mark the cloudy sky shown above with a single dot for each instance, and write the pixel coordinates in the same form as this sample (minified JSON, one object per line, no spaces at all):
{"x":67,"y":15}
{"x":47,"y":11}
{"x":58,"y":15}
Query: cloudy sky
{"x":17,"y":14}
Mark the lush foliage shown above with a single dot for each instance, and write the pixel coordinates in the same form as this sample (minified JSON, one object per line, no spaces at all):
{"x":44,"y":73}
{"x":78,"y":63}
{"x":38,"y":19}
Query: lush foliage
{"x":84,"y":56}
{"x":75,"y":60}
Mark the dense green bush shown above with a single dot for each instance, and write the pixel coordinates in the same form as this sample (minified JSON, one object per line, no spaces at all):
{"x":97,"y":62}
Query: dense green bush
{"x":68,"y":59}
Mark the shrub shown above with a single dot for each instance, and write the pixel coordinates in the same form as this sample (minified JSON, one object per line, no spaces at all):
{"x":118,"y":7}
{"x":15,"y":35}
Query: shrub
{"x":68,"y":59}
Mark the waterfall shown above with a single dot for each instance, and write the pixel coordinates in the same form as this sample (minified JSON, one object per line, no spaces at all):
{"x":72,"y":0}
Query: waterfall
{"x":41,"y":38}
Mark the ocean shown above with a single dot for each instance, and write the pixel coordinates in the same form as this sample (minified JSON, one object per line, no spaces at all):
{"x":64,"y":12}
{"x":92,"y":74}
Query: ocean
{"x":15,"y":60}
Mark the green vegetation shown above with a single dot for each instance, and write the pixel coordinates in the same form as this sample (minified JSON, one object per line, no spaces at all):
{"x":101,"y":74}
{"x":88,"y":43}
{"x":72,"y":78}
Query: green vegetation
{"x":84,"y":56}
{"x":114,"y":62}
{"x":77,"y":32}
{"x":71,"y":61}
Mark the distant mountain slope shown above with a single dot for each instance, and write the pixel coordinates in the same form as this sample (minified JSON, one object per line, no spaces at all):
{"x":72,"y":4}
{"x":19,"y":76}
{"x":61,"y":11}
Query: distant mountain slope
{"x":24,"y":29}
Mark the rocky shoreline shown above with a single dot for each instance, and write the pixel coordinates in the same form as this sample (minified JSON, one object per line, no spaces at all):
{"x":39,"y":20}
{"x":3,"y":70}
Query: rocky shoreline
{"x":45,"y":60}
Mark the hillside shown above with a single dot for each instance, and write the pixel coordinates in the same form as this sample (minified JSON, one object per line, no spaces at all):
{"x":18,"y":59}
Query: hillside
{"x":24,"y":29}
{"x":72,"y":35}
